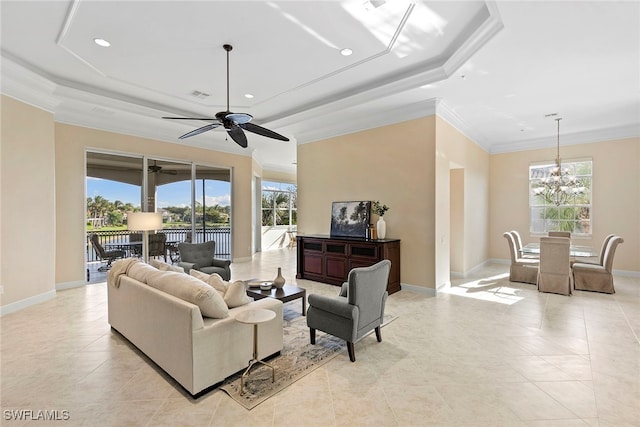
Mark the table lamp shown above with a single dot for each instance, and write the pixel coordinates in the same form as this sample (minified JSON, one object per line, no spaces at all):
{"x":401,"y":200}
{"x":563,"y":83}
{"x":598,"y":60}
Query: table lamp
{"x":145,"y":222}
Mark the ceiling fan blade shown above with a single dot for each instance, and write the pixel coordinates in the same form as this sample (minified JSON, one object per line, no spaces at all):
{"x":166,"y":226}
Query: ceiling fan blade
{"x":200,"y":130}
{"x":238,"y":136}
{"x":263,"y":131}
{"x":191,"y":118}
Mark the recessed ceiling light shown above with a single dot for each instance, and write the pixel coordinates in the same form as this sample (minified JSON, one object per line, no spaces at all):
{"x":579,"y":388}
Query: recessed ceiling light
{"x":101,"y":42}
{"x":248,"y":95}
{"x":346,"y":51}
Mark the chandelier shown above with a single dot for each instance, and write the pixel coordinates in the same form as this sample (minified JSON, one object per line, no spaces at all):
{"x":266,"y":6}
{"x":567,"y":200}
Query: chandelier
{"x":559,"y":187}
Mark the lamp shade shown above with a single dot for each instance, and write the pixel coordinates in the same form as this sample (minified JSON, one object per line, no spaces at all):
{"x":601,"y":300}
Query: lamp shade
{"x":144,"y":221}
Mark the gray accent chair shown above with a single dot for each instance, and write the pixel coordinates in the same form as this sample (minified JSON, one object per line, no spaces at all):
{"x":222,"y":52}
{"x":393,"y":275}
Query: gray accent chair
{"x":200,"y":256}
{"x":356,"y":311}
{"x":597,"y":278}
{"x":523,"y":270}
{"x":554,"y":274}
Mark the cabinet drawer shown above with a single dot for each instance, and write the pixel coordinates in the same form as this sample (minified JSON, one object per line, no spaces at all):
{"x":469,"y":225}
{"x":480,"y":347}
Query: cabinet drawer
{"x":363,"y":251}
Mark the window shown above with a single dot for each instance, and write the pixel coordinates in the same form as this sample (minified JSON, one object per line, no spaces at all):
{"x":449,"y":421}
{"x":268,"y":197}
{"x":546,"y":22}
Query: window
{"x":575,"y":214}
{"x":279,"y":204}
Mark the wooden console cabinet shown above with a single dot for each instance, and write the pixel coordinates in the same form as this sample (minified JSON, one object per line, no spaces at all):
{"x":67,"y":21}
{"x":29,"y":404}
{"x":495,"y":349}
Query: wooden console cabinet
{"x":329,"y":259}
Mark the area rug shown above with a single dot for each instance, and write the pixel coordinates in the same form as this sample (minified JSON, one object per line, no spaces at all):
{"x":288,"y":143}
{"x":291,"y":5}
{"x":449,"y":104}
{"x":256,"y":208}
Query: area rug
{"x":297,"y":359}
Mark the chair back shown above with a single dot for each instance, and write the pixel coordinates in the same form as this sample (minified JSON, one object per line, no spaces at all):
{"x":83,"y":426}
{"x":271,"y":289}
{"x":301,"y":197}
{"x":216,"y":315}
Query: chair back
{"x":95,"y":242}
{"x":610,"y":252}
{"x":603,"y":249}
{"x":554,"y":272}
{"x":157,"y":244}
{"x":135,"y":237}
{"x":197,"y":253}
{"x":512,"y":246}
{"x":517,"y":240}
{"x":554,"y":255}
{"x":367,"y":289}
{"x":560,"y":234}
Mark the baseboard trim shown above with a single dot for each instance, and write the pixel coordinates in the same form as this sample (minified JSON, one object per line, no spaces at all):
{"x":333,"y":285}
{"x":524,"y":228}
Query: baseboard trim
{"x":27,"y":302}
{"x":418,"y":289}
{"x":70,"y":285}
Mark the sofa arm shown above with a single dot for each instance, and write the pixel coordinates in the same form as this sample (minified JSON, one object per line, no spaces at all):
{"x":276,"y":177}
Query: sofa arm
{"x":187,"y":266}
{"x":336,"y":305}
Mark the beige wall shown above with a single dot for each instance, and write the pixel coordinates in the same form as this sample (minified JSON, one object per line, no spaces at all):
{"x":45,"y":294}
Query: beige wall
{"x":408,"y":167}
{"x":393,"y":164}
{"x":616,"y":196}
{"x":71,"y":145}
{"x":28,"y":214}
{"x":456,"y":151}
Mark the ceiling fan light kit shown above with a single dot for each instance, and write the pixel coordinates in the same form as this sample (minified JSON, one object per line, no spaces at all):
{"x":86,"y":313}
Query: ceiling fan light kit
{"x":234,"y":123}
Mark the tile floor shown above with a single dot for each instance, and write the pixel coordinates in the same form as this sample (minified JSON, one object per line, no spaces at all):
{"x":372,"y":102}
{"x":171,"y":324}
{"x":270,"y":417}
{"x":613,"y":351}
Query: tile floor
{"x":486,"y":352}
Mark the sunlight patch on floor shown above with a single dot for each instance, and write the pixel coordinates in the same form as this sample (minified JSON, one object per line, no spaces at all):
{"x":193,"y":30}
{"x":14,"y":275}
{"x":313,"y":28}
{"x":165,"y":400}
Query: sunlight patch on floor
{"x":487,"y":289}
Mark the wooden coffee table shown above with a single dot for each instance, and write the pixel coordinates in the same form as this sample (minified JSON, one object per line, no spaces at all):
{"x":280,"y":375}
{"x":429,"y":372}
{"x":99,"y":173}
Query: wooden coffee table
{"x":285,"y":294}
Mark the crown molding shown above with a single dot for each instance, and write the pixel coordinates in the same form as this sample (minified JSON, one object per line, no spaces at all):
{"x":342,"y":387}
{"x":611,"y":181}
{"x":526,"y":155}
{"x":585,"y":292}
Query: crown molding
{"x":586,"y":137}
{"x":27,"y":86}
{"x":396,"y":115}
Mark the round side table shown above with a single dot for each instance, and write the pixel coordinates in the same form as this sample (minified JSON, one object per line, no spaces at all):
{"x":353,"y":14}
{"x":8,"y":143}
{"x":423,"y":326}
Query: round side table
{"x":255,"y":317}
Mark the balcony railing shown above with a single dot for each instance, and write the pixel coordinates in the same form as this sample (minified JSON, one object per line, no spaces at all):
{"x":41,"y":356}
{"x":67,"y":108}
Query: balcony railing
{"x":221,"y":235}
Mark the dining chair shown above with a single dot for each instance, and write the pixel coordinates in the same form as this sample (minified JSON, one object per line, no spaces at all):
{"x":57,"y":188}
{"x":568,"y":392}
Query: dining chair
{"x":523,"y":270}
{"x":518,"y":242}
{"x":560,"y":234}
{"x":597,"y":278}
{"x":554,"y":274}
{"x":157,"y":246}
{"x":590,"y":260}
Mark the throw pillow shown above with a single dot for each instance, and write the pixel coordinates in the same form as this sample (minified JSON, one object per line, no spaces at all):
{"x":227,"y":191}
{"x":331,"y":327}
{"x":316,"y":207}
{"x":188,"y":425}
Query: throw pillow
{"x":142,"y":272}
{"x":163,"y":266}
{"x":214,"y":280}
{"x":236,"y":295}
{"x":192,"y":290}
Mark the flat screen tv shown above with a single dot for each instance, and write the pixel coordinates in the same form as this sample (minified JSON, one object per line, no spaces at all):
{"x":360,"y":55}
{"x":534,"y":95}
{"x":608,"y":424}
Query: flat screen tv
{"x":350,"y":219}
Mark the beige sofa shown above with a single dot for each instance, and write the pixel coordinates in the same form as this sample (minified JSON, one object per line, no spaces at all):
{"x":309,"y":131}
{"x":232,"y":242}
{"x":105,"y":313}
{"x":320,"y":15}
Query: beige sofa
{"x":198,"y":352}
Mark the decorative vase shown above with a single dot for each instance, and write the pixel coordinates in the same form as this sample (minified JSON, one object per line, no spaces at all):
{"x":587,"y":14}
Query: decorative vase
{"x":381,"y":228}
{"x":278,"y":282}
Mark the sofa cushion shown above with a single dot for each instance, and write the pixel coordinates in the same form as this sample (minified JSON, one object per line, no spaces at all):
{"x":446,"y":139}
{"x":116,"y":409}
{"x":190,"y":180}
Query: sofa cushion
{"x":163,"y":266}
{"x":142,"y":272}
{"x":236,"y":295}
{"x":214,"y":280}
{"x":192,"y":290}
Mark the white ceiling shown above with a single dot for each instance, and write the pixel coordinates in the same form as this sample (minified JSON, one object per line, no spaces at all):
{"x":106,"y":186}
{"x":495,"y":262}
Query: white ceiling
{"x":493,"y":69}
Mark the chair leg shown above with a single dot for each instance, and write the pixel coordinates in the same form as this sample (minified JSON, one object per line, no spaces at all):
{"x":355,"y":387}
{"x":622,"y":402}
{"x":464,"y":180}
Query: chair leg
{"x":312,"y":333}
{"x":352,"y":351}
{"x":378,"y":334}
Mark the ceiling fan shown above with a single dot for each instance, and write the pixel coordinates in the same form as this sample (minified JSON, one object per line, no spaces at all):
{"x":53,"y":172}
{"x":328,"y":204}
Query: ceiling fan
{"x":234,"y":123}
{"x":154,"y":168}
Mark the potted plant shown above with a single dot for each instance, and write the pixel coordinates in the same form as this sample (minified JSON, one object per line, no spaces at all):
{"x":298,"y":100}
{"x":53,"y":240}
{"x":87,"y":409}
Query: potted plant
{"x":381,"y":226}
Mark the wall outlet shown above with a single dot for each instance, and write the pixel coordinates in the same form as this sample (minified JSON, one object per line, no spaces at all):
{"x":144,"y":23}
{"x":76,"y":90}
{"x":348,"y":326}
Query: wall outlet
{"x":1,"y":290}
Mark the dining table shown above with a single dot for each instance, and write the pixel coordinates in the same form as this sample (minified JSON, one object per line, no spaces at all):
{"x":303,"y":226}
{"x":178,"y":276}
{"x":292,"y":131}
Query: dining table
{"x":574,"y":250}
{"x":135,"y":247}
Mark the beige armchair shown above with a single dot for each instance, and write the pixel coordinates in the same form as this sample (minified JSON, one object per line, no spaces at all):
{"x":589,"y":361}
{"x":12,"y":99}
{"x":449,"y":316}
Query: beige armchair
{"x":597,"y":278}
{"x":523,"y":270}
{"x":554,"y":274}
{"x":600,"y":260}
